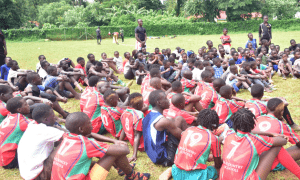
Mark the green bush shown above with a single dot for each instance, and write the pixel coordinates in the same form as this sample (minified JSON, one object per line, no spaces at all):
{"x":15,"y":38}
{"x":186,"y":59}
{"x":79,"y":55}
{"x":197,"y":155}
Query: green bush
{"x":168,"y":28}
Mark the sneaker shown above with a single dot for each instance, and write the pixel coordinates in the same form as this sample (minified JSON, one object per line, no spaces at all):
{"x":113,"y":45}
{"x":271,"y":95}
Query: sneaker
{"x":270,"y":81}
{"x":129,"y":84}
{"x":295,"y":77}
{"x":137,"y":176}
{"x":295,"y":127}
{"x":121,"y":173}
{"x":273,"y":89}
{"x":279,"y":73}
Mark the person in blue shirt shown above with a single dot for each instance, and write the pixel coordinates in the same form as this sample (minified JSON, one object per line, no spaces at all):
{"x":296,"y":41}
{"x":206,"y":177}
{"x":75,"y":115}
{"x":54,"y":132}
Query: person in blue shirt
{"x":218,"y":68}
{"x":247,"y":57}
{"x":252,"y":41}
{"x":5,"y":69}
{"x":156,"y":127}
{"x":293,"y":59}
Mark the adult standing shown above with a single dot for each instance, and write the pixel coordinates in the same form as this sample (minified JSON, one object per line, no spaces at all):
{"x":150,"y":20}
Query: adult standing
{"x":115,"y":37}
{"x":98,"y":35}
{"x":265,"y":30}
{"x":140,"y":36}
{"x":3,"y":48}
{"x":122,"y":34}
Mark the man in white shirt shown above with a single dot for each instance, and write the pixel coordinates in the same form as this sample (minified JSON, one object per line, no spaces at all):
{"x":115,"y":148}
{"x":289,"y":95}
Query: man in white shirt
{"x":37,"y":143}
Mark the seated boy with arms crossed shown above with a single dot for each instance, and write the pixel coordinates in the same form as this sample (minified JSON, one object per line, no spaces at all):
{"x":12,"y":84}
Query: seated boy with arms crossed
{"x":188,"y":84}
{"x":74,"y":155}
{"x":37,"y":143}
{"x":177,"y":109}
{"x":191,"y":100}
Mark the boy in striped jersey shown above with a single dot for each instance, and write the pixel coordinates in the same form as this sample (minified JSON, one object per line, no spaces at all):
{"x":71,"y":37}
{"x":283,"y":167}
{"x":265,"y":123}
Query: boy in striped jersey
{"x":111,"y":113}
{"x":132,"y":123}
{"x":91,"y":104}
{"x":188,"y":85}
{"x":11,"y":131}
{"x":194,"y":148}
{"x":259,"y":107}
{"x":250,"y":154}
{"x":73,"y":159}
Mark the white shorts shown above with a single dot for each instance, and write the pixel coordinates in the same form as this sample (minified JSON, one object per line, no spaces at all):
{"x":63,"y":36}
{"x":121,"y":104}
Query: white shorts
{"x":138,"y":46}
{"x":227,"y":49}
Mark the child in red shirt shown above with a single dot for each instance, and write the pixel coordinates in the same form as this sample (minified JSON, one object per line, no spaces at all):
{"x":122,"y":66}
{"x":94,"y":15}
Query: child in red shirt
{"x":81,"y":65}
{"x":225,"y":39}
{"x":188,"y":85}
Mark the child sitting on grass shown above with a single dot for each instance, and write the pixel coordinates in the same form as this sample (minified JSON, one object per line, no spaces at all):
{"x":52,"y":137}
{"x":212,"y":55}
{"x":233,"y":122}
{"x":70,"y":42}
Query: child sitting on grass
{"x":12,"y":129}
{"x":109,"y":63}
{"x":60,"y":83}
{"x":118,"y":60}
{"x":296,"y":67}
{"x":111,"y":113}
{"x":16,"y":76}
{"x":252,"y":41}
{"x":241,"y":142}
{"x":37,"y":143}
{"x":193,"y":153}
{"x":188,"y":84}
{"x":285,"y":67}
{"x":156,"y":127}
{"x":178,"y":109}
{"x":91,"y":103}
{"x":132,"y":123}
{"x":80,"y":135}
{"x":191,"y":100}
{"x":199,"y":68}
{"x":153,"y":59}
{"x":258,"y":106}
{"x":218,"y":68}
{"x":274,"y":60}
{"x":262,"y":77}
{"x":140,"y":74}
{"x":81,"y":65}
{"x":5,"y":95}
{"x":272,"y":123}
{"x":105,"y":73}
{"x":167,"y":71}
{"x":5,"y":69}
{"x":225,"y":106}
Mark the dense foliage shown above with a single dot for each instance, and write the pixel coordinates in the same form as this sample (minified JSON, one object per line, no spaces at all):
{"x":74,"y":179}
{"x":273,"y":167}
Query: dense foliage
{"x":180,"y":28}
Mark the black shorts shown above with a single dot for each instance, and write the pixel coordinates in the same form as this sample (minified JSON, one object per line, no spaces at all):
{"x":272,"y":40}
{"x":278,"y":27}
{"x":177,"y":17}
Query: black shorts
{"x":63,"y":93}
{"x":21,"y":87}
{"x":13,"y":164}
{"x":50,"y":97}
{"x":171,"y":146}
{"x":99,"y":37}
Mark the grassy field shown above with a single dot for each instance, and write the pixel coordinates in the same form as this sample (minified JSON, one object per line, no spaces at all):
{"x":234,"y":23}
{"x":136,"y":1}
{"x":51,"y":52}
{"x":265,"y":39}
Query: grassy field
{"x":26,"y":53}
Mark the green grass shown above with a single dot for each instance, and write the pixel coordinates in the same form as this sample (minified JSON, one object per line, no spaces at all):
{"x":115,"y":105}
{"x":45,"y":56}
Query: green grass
{"x":26,"y":53}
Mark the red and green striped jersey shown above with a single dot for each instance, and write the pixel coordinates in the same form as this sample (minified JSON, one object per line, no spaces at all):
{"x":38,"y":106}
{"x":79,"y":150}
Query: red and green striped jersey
{"x":93,"y":109}
{"x":111,"y":119}
{"x":173,"y":112}
{"x":145,"y":83}
{"x":269,"y":123}
{"x":187,"y":84}
{"x":241,"y":155}
{"x":146,"y":94}
{"x":17,"y":94}
{"x":74,"y":157}
{"x":3,"y":111}
{"x":11,"y":130}
{"x":132,"y":121}
{"x":201,"y":86}
{"x":171,"y":94}
{"x":257,"y":107}
{"x":225,"y":108}
{"x":84,"y":96}
{"x":194,"y":148}
{"x":209,"y":97}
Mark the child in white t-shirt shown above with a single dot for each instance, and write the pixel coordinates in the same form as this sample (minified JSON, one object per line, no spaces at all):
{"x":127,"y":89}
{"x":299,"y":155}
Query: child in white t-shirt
{"x":37,"y":143}
{"x":199,"y":68}
{"x":118,"y":60}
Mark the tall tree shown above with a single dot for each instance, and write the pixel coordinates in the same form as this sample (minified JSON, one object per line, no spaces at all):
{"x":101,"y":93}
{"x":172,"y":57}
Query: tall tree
{"x":281,"y":9}
{"x":235,"y":8}
{"x":150,"y":4}
{"x":207,"y":8}
{"x":9,"y":16}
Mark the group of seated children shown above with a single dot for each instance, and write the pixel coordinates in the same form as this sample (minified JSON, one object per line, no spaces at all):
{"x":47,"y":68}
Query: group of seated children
{"x":186,"y":111}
